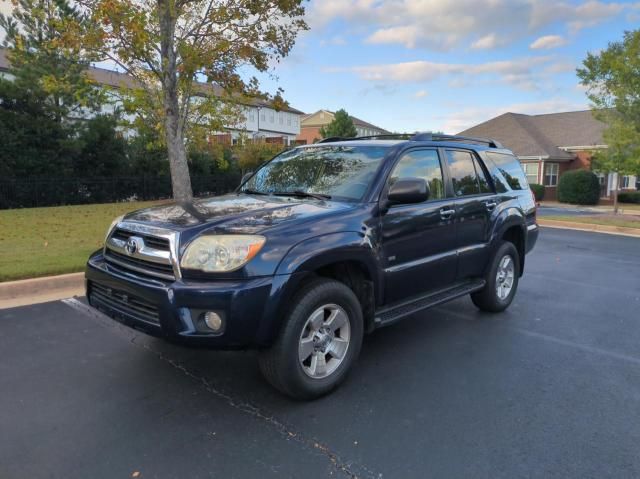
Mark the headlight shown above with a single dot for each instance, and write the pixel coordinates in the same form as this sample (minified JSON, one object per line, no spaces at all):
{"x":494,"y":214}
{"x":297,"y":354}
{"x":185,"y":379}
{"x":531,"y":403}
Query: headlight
{"x":113,"y":225}
{"x":221,"y":253}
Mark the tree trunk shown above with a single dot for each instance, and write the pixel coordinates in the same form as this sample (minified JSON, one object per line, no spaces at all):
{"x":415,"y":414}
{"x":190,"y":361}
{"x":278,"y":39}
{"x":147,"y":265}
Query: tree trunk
{"x":615,"y":194}
{"x":180,"y":179}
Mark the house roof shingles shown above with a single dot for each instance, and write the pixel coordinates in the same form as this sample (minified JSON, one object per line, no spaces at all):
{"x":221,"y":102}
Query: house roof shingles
{"x":356,"y":121}
{"x":542,"y":135}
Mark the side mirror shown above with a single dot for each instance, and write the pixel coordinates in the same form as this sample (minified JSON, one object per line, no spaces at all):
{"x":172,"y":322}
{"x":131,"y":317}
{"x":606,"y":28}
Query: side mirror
{"x":245,"y":177}
{"x":408,"y":190}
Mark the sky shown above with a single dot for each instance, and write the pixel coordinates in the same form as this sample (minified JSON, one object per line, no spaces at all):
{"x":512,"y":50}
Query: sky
{"x":419,"y":65}
{"x":435,"y":65}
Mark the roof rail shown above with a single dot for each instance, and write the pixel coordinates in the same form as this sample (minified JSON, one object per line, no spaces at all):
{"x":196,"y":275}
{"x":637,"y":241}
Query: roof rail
{"x":332,"y":139}
{"x":418,"y":137}
{"x":440,"y":137}
{"x":402,"y":136}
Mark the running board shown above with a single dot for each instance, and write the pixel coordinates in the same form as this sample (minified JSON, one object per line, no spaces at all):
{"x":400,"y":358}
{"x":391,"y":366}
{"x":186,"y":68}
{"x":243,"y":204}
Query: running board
{"x":391,"y":314}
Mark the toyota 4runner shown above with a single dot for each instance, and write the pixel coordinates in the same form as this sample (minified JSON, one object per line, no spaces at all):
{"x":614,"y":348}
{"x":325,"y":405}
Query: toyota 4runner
{"x":319,"y":246}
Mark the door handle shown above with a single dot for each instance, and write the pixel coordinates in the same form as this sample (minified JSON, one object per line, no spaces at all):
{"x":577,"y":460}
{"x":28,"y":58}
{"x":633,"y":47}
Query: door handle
{"x":491,"y":204}
{"x":446,"y":214}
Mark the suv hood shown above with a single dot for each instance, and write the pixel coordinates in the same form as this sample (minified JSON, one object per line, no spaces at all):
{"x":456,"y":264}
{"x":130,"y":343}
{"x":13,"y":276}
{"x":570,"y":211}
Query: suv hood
{"x":235,"y":213}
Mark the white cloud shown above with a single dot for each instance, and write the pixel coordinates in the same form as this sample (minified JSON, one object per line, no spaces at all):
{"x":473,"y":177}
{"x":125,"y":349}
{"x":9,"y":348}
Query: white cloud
{"x":469,"y":117}
{"x":592,"y":13}
{"x":523,"y":73}
{"x":548,"y":42}
{"x":443,"y":25}
{"x":487,"y":42}
{"x":421,"y":94}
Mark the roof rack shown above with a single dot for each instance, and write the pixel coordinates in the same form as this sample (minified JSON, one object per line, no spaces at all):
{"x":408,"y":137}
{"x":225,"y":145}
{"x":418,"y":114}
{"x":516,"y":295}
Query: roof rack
{"x":470,"y":139}
{"x":418,"y":137}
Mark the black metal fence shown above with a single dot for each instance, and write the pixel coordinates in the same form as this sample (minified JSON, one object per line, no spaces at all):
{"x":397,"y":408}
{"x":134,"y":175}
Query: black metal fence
{"x":33,"y":192}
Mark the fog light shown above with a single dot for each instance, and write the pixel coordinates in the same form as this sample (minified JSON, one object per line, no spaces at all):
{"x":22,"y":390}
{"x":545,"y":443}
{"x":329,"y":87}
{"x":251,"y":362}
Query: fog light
{"x":213,"y":320}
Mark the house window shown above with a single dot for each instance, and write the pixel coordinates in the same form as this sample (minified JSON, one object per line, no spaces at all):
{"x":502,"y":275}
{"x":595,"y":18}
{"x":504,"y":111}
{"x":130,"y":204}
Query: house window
{"x":551,"y":174}
{"x":626,"y":181}
{"x":262,"y":116}
{"x":288,"y":120}
{"x":272,"y":117}
{"x":604,"y":180}
{"x":531,"y":170}
{"x":281,"y":118}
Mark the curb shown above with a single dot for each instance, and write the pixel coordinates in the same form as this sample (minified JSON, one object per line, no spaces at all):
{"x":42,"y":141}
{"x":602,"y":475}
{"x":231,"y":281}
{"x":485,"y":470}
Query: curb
{"x":570,"y":225}
{"x":39,"y":290}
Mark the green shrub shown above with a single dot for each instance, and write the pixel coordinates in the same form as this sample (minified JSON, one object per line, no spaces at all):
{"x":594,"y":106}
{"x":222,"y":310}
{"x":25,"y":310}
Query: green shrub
{"x":538,"y":191}
{"x":629,"y":197}
{"x":579,"y":187}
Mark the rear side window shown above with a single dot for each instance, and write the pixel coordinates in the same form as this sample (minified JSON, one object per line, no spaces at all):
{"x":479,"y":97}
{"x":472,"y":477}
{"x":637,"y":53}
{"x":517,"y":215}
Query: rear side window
{"x":467,"y":175}
{"x":510,"y":168}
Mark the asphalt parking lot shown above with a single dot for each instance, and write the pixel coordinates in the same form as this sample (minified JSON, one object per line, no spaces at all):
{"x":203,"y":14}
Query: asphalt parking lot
{"x":551,"y":388}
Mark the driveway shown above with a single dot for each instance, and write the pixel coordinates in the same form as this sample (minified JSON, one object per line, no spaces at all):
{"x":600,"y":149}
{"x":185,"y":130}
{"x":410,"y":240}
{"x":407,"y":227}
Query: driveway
{"x":551,"y":388}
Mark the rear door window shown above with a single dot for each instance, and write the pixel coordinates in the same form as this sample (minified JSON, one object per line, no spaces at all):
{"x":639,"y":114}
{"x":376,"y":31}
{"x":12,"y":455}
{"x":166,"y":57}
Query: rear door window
{"x":483,"y":180}
{"x":463,"y":173}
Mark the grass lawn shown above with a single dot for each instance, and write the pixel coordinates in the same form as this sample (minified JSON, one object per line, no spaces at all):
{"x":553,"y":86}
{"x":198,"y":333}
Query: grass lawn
{"x":56,"y":240}
{"x":627,"y":221}
{"x":629,"y":206}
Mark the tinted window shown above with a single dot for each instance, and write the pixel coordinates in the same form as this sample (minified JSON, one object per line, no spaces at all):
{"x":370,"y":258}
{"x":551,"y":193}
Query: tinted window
{"x":463,"y":173}
{"x":483,"y":181}
{"x":340,"y":171}
{"x":422,"y":164}
{"x":511,"y":169}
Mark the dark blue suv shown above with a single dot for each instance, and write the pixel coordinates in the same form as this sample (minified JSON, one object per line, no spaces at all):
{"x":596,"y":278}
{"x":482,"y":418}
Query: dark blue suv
{"x":319,"y":246}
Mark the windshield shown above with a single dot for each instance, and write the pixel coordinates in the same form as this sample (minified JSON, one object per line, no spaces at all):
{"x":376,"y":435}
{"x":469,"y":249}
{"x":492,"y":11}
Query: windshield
{"x":341,"y":172}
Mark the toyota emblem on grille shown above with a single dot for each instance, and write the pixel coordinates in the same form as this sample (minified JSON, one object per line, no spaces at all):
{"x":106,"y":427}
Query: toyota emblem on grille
{"x":133,"y":245}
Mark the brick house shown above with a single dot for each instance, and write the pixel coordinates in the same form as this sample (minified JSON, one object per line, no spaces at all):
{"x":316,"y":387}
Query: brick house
{"x":551,"y":144}
{"x":311,"y":124}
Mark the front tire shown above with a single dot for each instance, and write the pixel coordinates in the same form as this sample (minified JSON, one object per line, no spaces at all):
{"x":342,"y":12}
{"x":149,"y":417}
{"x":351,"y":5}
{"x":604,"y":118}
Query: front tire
{"x":501,"y":280}
{"x":318,"y":342}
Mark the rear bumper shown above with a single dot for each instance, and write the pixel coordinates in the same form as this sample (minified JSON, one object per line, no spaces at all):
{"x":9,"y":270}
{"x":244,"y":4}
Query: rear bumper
{"x":175,"y":310}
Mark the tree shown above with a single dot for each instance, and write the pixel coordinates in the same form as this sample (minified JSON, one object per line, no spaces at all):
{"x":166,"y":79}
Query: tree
{"x":342,"y":126}
{"x":622,"y":155}
{"x":103,"y":150}
{"x":44,"y":63}
{"x":253,"y":153}
{"x":186,"y":57}
{"x":612,"y":78}
{"x":33,"y":142}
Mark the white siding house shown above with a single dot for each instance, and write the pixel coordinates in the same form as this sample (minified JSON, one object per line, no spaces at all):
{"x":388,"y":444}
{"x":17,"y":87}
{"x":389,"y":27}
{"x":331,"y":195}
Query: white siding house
{"x":261,"y":120}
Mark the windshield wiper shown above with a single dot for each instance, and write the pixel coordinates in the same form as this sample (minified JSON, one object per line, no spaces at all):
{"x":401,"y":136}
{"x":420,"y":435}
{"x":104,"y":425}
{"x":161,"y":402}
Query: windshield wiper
{"x":253,"y":192}
{"x":302,"y":194}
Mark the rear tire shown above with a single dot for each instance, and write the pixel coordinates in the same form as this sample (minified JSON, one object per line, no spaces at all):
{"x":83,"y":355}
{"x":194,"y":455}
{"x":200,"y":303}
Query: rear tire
{"x":318,"y":343}
{"x":502,"y":280}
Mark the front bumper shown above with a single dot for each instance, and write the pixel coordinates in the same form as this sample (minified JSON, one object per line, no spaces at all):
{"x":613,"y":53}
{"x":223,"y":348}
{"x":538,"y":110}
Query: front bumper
{"x":174,"y":310}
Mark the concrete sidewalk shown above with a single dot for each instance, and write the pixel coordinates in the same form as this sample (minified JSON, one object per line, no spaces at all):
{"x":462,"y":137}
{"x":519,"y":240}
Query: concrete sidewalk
{"x":40,"y":290}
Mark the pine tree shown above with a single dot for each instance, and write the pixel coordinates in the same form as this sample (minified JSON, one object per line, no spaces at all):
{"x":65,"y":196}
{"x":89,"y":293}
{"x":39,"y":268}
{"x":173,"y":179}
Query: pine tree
{"x":342,"y":126}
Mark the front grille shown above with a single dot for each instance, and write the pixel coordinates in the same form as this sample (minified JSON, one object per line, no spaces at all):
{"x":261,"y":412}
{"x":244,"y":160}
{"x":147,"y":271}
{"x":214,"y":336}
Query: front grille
{"x":139,"y":266}
{"x":151,"y":255}
{"x":116,"y":301}
{"x":154,"y":242}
